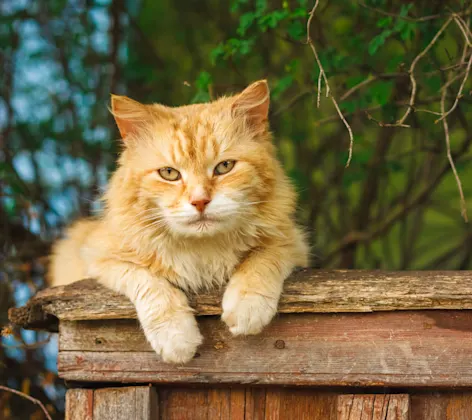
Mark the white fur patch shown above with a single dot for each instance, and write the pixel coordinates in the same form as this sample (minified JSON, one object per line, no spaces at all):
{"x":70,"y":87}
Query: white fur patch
{"x":247,"y":313}
{"x":176,"y":339}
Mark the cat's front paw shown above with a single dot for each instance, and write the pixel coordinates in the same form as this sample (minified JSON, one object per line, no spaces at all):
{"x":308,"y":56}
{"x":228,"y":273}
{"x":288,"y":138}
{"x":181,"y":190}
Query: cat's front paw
{"x":176,"y":339}
{"x":247,"y":313}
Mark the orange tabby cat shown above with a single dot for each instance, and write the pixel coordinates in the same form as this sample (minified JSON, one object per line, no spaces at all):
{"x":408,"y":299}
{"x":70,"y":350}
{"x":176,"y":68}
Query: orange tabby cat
{"x":198,"y":199}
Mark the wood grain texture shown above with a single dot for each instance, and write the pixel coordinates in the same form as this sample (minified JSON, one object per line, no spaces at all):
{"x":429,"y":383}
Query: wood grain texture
{"x":79,"y":404}
{"x":373,"y":407}
{"x":301,"y":404}
{"x":246,"y":404}
{"x":130,"y":403}
{"x":311,"y":291}
{"x":202,"y":404}
{"x":447,"y":405}
{"x":416,"y":349}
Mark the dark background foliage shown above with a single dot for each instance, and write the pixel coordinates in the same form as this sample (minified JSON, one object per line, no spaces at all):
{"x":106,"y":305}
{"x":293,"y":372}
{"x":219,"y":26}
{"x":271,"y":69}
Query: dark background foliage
{"x":397,"y":205}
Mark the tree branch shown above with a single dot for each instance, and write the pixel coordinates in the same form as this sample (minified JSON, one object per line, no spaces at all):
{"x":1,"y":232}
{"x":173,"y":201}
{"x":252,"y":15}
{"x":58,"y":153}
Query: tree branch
{"x":23,"y":395}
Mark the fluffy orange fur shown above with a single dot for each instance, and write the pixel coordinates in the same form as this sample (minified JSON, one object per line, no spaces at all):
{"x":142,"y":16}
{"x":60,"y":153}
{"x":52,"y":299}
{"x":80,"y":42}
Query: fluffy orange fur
{"x":159,"y":238}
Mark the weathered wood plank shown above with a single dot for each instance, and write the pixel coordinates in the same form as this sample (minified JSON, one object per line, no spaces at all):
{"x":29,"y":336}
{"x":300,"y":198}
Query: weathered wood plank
{"x":445,"y":405}
{"x":79,"y":404}
{"x":373,"y":407}
{"x":203,"y":403}
{"x":311,"y":291}
{"x":398,"y":407}
{"x":430,"y":348}
{"x":295,"y":404}
{"x":137,"y":403}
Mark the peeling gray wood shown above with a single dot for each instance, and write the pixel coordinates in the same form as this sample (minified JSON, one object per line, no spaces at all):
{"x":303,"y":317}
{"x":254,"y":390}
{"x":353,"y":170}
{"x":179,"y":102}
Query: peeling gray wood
{"x":128,"y":403}
{"x":414,"y":349}
{"x":131,"y":403}
{"x":307,"y":291}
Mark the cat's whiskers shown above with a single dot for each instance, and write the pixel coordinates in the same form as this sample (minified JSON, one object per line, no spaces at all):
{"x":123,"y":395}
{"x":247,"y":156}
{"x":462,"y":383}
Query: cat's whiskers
{"x":150,"y":226}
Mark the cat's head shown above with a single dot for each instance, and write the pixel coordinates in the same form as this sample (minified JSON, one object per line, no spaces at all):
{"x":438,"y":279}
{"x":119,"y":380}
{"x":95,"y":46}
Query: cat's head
{"x":198,"y":170}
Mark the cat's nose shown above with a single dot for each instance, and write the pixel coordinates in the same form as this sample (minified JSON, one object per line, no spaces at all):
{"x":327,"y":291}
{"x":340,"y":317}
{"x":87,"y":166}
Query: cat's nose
{"x":200,"y":204}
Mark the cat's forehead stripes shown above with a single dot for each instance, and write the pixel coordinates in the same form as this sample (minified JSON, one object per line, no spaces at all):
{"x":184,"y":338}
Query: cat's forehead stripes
{"x":194,"y":142}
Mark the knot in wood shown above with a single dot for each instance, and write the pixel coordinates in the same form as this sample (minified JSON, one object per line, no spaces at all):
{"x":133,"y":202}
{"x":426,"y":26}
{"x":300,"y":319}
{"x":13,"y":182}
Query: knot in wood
{"x":279,"y":344}
{"x":219,"y":345}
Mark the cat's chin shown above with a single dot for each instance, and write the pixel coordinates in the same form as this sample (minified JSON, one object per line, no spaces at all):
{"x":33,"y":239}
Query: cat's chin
{"x":202,"y":227}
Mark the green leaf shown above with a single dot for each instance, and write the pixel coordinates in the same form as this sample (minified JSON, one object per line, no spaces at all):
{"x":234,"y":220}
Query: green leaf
{"x":297,"y":30}
{"x":236,"y":5}
{"x":353,"y":81}
{"x":408,"y":31}
{"x":434,"y":83}
{"x":245,"y":22}
{"x":202,"y":84}
{"x":378,"y":41}
{"x":272,"y":20}
{"x":349,"y":106}
{"x":261,"y":6}
{"x":282,"y":85}
{"x":217,"y":53}
{"x":382,"y":91}
{"x":203,"y":80}
{"x":384,"y":22}
{"x":200,"y":97}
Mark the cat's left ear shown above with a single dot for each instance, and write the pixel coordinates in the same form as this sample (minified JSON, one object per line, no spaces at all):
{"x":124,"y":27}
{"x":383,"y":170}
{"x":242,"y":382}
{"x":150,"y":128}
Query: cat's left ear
{"x":253,"y":103}
{"x":129,"y":114}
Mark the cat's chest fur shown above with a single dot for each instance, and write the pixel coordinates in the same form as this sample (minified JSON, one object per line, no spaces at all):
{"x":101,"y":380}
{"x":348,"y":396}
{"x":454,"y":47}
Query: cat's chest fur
{"x":202,"y":267}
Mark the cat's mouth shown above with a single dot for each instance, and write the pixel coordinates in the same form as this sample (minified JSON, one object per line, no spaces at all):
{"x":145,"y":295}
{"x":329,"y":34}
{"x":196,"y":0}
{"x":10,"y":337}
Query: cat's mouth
{"x":203,"y":219}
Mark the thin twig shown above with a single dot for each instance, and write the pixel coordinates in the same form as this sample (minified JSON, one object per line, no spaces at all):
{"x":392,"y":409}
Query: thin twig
{"x":464,"y":29}
{"x":444,"y":87}
{"x":449,"y":157}
{"x":382,"y":124}
{"x":351,"y":137}
{"x":318,"y":97}
{"x":370,"y":79}
{"x":334,"y":117}
{"x":411,"y":105}
{"x":322,"y":74}
{"x":26,"y":346}
{"x":33,"y":400}
{"x":459,"y":93}
{"x":292,"y":101}
{"x":428,"y":111}
{"x":396,"y":15}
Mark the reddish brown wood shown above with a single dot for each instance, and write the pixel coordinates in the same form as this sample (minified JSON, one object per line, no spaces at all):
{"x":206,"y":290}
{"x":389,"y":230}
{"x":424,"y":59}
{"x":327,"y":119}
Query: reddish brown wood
{"x":442,"y":406}
{"x":238,"y":403}
{"x":373,"y":407}
{"x":79,"y":404}
{"x":255,"y":404}
{"x":459,"y":407}
{"x":294,"y":404}
{"x":264,"y":404}
{"x":207,"y":404}
{"x":248,"y":404}
{"x":415,"y":349}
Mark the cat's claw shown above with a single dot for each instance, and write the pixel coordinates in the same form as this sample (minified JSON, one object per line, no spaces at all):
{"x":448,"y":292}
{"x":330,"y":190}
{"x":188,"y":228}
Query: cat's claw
{"x":247,"y":313}
{"x":177,"y":340}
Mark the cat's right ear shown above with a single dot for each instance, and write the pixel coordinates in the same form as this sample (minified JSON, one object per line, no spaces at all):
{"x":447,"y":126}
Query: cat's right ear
{"x":129,"y":114}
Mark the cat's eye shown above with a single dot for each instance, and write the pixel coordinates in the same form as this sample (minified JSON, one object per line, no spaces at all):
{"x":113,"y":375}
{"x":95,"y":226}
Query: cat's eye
{"x":224,"y":167}
{"x":169,"y":174}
